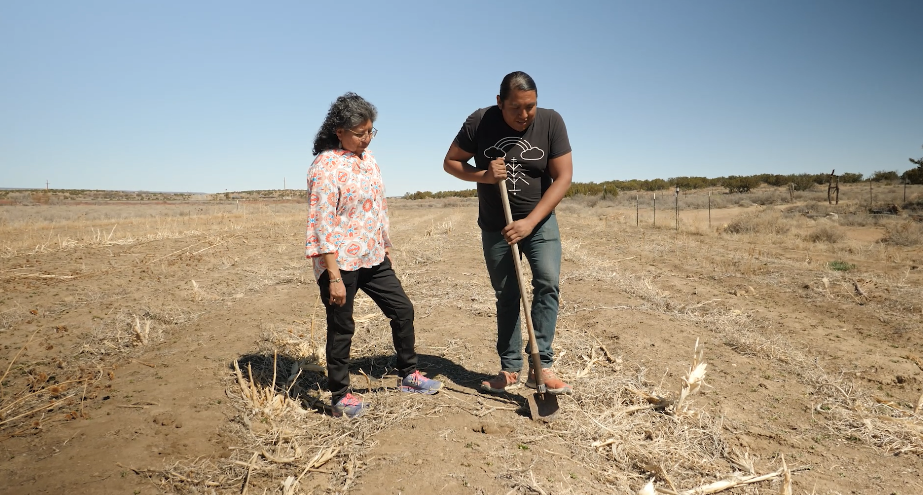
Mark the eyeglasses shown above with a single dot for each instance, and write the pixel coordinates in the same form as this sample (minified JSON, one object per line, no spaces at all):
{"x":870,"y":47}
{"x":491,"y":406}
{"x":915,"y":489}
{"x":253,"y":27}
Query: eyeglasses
{"x":362,"y":135}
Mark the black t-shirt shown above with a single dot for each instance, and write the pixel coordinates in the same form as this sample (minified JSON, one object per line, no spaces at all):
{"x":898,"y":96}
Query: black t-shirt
{"x":487,"y":136}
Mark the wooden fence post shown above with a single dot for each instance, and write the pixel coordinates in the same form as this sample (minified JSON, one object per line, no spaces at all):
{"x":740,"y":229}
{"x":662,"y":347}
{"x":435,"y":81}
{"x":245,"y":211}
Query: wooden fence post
{"x":676,"y":209}
{"x":709,"y":210}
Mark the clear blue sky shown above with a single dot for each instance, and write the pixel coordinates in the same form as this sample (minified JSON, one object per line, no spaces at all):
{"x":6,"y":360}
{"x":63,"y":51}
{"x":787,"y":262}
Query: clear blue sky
{"x":227,"y":95}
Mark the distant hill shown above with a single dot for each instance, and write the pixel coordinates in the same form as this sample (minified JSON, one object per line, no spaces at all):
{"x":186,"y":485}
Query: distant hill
{"x":116,"y":190}
{"x":11,"y":196}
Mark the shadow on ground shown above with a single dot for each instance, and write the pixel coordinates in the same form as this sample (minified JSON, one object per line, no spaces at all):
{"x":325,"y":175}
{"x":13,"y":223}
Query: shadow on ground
{"x":368,"y":375}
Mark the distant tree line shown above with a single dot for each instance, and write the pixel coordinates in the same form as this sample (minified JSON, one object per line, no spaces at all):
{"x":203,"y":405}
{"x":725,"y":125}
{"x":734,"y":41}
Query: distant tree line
{"x":732,"y":183}
{"x":56,"y":196}
{"x":465,"y":193}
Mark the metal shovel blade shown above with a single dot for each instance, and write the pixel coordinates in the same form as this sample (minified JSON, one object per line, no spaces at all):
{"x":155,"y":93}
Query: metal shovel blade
{"x":543,"y":407}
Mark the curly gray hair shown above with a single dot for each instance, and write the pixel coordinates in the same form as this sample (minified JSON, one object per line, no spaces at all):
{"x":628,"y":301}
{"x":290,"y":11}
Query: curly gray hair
{"x":346,"y":112}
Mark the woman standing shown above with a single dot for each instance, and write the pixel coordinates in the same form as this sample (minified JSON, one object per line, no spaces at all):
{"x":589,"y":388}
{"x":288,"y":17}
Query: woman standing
{"x":347,"y":240}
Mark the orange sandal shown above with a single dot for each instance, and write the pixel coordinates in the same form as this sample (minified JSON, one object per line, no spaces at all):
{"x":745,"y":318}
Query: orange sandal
{"x":505,"y":380}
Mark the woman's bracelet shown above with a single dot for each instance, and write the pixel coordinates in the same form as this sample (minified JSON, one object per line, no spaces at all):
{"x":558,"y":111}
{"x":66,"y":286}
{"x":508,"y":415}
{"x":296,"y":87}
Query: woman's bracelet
{"x":335,"y":280}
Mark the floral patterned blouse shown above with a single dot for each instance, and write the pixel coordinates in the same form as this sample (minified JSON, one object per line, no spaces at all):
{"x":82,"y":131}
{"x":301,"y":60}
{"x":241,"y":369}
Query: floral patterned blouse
{"x":347,"y":211}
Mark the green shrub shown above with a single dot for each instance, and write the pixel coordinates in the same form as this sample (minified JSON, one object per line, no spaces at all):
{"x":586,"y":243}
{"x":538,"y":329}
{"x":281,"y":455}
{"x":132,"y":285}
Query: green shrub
{"x":804,"y":182}
{"x":739,"y":184}
{"x":885,"y":176}
{"x":840,"y":266}
{"x":850,"y":178}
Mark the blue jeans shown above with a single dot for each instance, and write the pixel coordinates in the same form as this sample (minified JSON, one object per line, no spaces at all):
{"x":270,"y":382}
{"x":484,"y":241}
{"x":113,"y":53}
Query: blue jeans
{"x":542,"y":248}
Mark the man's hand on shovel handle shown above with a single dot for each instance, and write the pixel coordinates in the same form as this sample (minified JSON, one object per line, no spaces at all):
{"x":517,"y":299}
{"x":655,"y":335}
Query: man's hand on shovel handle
{"x":496,"y":172}
{"x":517,"y":231}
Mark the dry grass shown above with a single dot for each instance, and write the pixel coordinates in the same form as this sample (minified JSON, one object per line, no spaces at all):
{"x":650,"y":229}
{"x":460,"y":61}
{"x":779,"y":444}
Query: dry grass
{"x":860,"y":219}
{"x":11,"y":316}
{"x":854,"y":197}
{"x":636,"y":437}
{"x":692,"y":381}
{"x":45,"y":229}
{"x":305,"y":348}
{"x":279,"y":400}
{"x":122,"y":334}
{"x":125,"y":321}
{"x":635,"y":431}
{"x":844,"y":403}
{"x":826,"y":232}
{"x":284,"y":438}
{"x":904,"y":233}
{"x":763,"y":222}
{"x":660,"y":430}
{"x":767,"y":196}
{"x":43,"y":396}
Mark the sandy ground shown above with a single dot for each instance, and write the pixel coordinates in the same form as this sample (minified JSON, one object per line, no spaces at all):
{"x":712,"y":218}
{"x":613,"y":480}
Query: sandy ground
{"x":120,"y":330}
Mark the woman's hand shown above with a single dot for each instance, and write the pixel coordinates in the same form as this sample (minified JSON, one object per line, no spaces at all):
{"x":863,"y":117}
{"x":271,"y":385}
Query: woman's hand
{"x":517,"y":231}
{"x":337,"y":288}
{"x":338,"y":292}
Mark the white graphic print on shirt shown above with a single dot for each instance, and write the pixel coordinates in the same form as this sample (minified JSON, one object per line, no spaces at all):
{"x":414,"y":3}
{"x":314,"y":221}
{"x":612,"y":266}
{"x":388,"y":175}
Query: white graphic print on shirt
{"x":506,"y":146}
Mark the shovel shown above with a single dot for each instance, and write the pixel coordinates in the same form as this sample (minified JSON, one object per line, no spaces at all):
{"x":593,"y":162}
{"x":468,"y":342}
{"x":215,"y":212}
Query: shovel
{"x":542,"y":405}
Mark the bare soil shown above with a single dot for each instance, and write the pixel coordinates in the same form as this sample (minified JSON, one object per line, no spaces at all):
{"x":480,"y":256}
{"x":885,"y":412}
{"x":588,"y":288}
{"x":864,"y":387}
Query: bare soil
{"x":120,"y":327}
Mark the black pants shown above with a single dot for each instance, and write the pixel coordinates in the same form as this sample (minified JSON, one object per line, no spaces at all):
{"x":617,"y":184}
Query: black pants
{"x":382,"y":286}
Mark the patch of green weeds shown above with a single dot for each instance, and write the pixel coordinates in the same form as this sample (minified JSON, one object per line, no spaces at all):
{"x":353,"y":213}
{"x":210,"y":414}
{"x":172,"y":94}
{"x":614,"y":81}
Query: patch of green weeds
{"x":841,"y":266}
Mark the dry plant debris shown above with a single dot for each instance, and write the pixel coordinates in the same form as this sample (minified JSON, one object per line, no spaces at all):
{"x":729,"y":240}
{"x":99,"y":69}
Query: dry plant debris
{"x":44,"y":400}
{"x":692,"y":381}
{"x":264,"y":399}
{"x":726,"y":484}
{"x":622,"y":425}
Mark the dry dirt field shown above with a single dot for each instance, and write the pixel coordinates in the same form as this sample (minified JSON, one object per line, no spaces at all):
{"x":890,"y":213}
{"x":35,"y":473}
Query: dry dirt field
{"x":173,"y":348}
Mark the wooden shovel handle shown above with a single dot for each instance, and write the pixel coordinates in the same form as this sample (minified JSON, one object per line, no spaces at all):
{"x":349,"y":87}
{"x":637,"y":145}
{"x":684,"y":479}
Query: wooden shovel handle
{"x":526,"y":309}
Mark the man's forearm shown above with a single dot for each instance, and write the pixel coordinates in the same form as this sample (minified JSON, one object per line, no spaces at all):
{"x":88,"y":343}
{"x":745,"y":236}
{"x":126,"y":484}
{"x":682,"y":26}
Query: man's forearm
{"x":464,"y":171}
